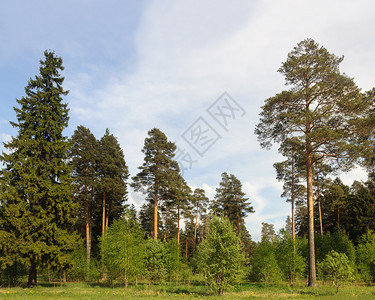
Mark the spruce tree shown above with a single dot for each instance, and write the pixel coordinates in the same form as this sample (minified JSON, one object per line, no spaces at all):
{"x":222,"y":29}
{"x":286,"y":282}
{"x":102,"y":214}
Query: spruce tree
{"x":36,"y":215}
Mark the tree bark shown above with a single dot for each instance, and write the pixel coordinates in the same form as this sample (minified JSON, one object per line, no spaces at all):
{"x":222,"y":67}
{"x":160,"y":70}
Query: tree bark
{"x":310,"y":209}
{"x":293,"y":201}
{"x":320,"y":216}
{"x":88,"y":234}
{"x":195,"y":230}
{"x":107,"y":216}
{"x":155,"y":214}
{"x":178,"y":225}
{"x":32,"y":280}
{"x":103,"y":215}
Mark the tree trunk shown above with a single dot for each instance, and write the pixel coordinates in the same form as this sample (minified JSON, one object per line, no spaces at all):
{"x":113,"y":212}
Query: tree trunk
{"x":107,"y":216}
{"x":293,"y":201}
{"x":178,"y":225}
{"x":310,"y":209}
{"x":88,"y":235}
{"x":320,"y":216}
{"x":195,"y":230}
{"x":156,"y":215}
{"x":103,"y":215}
{"x":186,"y":248}
{"x":32,"y":274}
{"x":338,"y":219}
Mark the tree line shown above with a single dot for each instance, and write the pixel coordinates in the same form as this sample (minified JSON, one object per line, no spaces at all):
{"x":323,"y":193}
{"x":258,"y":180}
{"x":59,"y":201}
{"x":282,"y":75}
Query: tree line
{"x":64,"y":210}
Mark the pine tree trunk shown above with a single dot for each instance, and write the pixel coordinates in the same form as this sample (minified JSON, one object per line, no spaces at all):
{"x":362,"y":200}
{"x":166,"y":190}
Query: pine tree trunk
{"x":310,"y":208}
{"x":107,"y":217}
{"x":238,"y":218}
{"x":195,"y":231}
{"x":32,"y":274}
{"x":156,"y":215}
{"x":293,"y":202}
{"x":103,"y":215}
{"x":178,"y":225}
{"x":88,"y":235}
{"x":320,"y":217}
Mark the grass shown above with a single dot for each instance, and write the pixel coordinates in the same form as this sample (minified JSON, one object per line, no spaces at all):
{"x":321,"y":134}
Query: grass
{"x":246,"y":291}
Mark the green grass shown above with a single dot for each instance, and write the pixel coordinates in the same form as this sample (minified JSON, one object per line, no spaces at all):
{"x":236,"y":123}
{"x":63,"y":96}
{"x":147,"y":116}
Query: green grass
{"x":245,"y":291}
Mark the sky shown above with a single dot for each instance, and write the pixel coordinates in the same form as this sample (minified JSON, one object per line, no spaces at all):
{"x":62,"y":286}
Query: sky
{"x":198,"y":70}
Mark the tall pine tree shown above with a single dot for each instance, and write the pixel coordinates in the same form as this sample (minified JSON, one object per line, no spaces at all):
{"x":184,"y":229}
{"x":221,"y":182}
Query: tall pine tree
{"x":83,"y":156}
{"x":324,"y":110}
{"x":157,"y":172}
{"x":113,"y":173}
{"x":36,"y":215}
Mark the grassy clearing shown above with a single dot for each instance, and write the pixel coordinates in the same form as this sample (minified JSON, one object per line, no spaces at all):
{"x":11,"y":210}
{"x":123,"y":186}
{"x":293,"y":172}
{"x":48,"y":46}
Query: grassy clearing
{"x":246,"y":291}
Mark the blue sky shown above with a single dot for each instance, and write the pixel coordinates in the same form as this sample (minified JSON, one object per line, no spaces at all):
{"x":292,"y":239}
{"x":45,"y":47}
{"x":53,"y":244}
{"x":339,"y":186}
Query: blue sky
{"x":134,"y":65}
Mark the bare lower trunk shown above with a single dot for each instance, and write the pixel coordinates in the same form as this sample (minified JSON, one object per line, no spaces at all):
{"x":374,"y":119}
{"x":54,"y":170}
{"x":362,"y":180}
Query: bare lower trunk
{"x":103,"y":215}
{"x":195,"y":231}
{"x":31,"y":282}
{"x":88,"y":235}
{"x":310,"y":208}
{"x":320,"y":217}
{"x":107,"y":217}
{"x":178,"y":225}
{"x":156,"y":215}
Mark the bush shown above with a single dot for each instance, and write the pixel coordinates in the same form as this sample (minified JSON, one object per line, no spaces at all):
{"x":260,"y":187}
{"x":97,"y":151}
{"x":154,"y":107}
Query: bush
{"x":336,"y":268}
{"x":366,"y":256}
{"x":123,"y":250}
{"x":291,"y":263}
{"x":264,"y":266}
{"x":220,"y":255}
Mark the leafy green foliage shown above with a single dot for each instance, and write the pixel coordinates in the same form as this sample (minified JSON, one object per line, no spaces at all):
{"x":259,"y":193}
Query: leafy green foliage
{"x":123,"y":250}
{"x":366,"y":256}
{"x":289,"y":256}
{"x":336,"y":268}
{"x":264,"y":266}
{"x":220,"y":256}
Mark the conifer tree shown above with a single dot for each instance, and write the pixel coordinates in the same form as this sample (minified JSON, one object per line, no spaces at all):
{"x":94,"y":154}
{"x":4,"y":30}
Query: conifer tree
{"x":157,"y":172}
{"x":291,"y":172}
{"x":36,"y":215}
{"x":324,"y":110}
{"x":199,"y":203}
{"x":230,"y":201}
{"x":113,"y":173}
{"x":83,"y":156}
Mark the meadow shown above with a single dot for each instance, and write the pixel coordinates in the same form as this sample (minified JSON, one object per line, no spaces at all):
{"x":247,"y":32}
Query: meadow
{"x":168,"y":291}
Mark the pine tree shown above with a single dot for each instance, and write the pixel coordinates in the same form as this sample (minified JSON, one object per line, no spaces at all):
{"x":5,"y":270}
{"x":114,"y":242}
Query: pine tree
{"x":83,"y":157}
{"x":230,"y":201}
{"x":324,"y":110}
{"x":291,"y":172}
{"x":157,"y":172}
{"x":37,"y":209}
{"x":113,"y":173}
{"x":199,"y":203}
